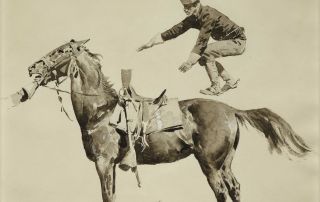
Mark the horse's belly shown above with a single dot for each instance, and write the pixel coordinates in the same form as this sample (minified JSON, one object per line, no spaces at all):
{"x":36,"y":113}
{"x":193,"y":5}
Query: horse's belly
{"x":167,"y":147}
{"x":164,"y":147}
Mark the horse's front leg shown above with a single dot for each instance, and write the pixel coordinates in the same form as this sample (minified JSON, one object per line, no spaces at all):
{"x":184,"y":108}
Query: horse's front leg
{"x":106,"y":171}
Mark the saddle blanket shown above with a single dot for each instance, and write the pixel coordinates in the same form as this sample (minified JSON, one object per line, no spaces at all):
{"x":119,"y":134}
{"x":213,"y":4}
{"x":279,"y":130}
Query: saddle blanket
{"x":151,"y":118}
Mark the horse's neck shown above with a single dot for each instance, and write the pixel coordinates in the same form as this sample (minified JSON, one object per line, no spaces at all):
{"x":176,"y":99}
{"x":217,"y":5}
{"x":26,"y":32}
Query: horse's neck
{"x":91,"y":105}
{"x":92,"y":96}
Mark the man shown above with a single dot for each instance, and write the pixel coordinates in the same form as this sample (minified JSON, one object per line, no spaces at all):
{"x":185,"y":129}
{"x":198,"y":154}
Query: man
{"x":25,"y":92}
{"x":229,"y":41}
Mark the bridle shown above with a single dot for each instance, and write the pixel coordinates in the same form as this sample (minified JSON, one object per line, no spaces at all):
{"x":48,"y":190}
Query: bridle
{"x":71,"y":50}
{"x":50,"y":62}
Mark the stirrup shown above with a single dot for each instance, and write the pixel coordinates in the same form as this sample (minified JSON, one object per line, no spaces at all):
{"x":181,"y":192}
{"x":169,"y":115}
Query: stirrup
{"x":129,"y":160}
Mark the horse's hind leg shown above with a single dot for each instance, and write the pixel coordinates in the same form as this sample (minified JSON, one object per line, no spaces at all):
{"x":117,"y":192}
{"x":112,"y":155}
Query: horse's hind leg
{"x":213,"y":141}
{"x":216,"y":183}
{"x":211,"y":160}
{"x":228,"y":177}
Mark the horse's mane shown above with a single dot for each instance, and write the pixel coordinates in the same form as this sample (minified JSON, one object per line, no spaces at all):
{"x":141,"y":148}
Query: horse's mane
{"x":106,"y":85}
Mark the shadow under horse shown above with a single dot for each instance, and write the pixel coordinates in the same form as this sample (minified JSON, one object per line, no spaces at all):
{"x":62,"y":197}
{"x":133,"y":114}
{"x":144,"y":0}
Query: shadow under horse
{"x":213,"y":127}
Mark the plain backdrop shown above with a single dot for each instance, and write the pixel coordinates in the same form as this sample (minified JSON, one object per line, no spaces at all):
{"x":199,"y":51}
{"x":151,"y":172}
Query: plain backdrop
{"x":42,"y":157}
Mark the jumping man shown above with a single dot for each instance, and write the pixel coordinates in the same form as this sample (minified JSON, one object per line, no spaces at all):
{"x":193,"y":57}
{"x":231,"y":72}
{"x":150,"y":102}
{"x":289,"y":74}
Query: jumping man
{"x":229,"y":39}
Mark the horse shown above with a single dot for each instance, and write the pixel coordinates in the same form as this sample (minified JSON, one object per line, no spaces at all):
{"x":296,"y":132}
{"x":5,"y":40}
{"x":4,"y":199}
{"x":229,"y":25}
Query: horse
{"x":211,"y":126}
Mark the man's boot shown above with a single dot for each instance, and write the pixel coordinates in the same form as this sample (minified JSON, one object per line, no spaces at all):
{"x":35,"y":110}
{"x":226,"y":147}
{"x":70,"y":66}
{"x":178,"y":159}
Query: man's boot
{"x":212,"y":72}
{"x":231,"y":83}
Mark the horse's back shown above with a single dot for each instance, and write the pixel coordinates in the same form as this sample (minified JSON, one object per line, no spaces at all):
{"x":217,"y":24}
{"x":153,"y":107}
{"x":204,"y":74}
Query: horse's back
{"x":207,"y":107}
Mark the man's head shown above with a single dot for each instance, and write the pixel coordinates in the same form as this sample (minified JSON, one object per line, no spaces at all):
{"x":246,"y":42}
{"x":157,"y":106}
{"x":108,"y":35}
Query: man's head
{"x":190,"y":7}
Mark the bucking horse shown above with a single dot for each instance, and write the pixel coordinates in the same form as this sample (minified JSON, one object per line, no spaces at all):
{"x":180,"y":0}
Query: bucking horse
{"x":211,"y":126}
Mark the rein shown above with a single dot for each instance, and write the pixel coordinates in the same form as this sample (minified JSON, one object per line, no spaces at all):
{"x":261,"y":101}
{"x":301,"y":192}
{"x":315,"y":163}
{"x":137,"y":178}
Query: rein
{"x":67,"y":92}
{"x":62,"y":107}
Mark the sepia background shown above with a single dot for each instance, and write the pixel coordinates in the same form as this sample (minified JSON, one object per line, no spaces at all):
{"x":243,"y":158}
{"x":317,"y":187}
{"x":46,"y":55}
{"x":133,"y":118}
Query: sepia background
{"x":42,"y":157}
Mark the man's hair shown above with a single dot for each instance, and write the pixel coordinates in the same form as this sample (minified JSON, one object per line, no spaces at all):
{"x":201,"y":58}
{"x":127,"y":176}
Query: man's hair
{"x":195,"y":3}
{"x":190,"y":5}
{"x":186,"y":2}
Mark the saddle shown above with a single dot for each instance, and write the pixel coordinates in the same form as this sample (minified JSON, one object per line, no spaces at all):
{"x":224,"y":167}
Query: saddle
{"x":149,"y":115}
{"x":138,"y":98}
{"x":140,"y":115}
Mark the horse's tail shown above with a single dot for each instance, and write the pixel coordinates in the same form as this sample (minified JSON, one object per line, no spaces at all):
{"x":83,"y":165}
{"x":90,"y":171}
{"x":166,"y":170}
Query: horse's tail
{"x":279,"y":133}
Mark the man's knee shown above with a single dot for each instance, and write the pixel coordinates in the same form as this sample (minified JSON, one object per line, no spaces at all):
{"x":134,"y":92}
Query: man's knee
{"x":206,"y":58}
{"x":241,"y":46}
{"x":240,"y":51}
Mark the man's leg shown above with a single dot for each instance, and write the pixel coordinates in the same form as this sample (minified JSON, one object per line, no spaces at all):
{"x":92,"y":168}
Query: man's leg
{"x":230,"y":81}
{"x":223,"y":49}
{"x":213,"y":75}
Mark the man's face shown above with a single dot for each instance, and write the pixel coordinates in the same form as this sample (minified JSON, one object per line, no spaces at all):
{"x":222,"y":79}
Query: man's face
{"x":190,"y":9}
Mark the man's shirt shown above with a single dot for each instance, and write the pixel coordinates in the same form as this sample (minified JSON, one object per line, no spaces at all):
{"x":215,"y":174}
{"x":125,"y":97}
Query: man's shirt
{"x":210,"y":22}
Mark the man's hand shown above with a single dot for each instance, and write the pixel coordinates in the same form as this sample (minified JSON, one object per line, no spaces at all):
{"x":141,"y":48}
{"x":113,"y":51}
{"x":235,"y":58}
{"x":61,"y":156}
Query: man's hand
{"x":145,"y":46}
{"x":157,"y":39}
{"x":193,"y":59}
{"x":185,"y":67}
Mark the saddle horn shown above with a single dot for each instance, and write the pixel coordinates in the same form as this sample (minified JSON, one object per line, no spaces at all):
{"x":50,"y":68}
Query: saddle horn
{"x":158,"y":99}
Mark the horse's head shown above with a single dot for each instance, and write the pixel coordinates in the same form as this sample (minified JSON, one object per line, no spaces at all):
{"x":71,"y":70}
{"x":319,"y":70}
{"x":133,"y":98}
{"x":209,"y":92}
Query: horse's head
{"x":55,"y":64}
{"x":75,"y":60}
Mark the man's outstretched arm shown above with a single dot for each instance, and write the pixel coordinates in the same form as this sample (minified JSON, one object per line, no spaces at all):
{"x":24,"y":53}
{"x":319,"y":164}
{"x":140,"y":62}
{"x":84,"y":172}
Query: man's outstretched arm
{"x":171,"y":33}
{"x":201,"y":44}
{"x":157,"y":39}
